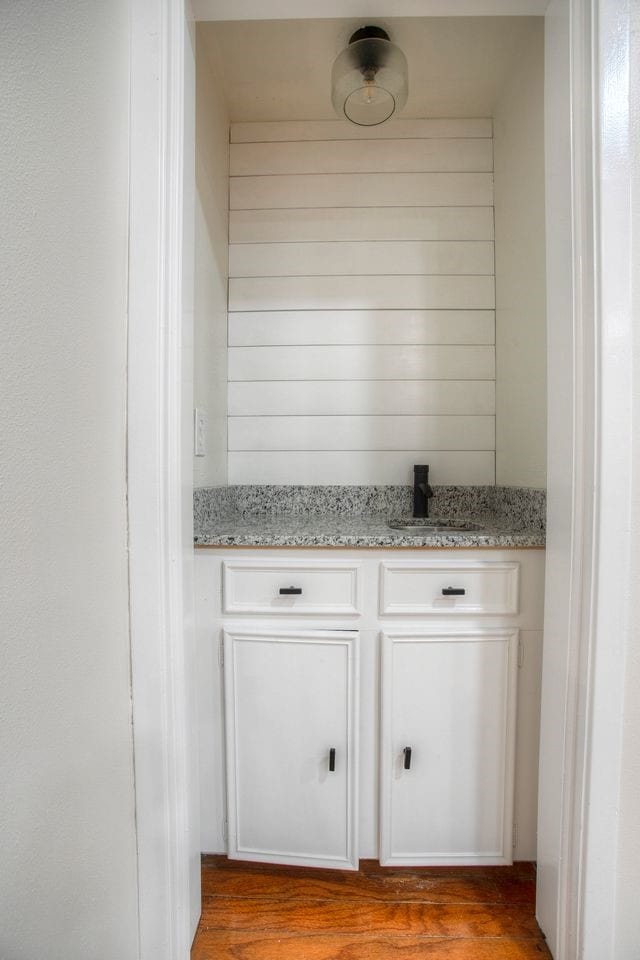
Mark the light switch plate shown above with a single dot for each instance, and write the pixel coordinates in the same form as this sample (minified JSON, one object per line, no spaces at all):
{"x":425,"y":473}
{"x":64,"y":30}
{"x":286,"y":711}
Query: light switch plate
{"x":199,"y":432}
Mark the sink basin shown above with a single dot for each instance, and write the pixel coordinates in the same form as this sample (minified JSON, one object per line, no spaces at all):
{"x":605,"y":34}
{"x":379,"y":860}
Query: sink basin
{"x":433,"y":525}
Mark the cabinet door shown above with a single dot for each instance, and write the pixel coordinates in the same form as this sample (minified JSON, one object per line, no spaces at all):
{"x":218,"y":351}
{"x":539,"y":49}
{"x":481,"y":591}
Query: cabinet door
{"x":447,"y":747}
{"x":291,"y":729}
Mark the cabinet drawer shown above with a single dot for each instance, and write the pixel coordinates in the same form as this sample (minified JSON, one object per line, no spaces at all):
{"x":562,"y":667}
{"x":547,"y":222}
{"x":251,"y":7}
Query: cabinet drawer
{"x":449,"y":589}
{"x":291,"y":588}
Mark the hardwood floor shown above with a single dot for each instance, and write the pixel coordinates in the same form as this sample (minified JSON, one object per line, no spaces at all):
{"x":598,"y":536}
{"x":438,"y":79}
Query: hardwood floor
{"x":264,"y":912}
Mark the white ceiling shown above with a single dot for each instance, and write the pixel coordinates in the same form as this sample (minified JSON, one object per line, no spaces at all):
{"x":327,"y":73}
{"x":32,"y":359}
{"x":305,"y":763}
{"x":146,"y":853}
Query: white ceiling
{"x":281,"y":69}
{"x":308,"y":9}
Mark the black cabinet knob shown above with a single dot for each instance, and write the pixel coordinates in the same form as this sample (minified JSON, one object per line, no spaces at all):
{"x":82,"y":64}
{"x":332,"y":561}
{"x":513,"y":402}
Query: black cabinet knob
{"x":407,"y":758}
{"x":290,"y":591}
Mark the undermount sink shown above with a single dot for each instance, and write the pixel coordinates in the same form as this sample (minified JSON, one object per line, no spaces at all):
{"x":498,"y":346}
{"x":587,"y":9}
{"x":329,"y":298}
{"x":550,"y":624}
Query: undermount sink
{"x":433,"y":525}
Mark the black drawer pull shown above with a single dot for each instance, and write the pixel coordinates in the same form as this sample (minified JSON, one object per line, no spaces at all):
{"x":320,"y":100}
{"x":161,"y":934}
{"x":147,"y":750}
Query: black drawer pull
{"x":453,"y":591}
{"x":332,"y":760}
{"x":290,"y":591}
{"x":407,"y":758}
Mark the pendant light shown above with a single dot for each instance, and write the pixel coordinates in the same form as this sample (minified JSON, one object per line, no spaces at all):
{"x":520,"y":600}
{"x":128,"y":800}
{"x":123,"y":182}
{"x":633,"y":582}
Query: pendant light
{"x":369,"y":78}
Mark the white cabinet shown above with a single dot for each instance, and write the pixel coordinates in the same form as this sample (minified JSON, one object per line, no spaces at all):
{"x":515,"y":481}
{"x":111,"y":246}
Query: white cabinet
{"x":454,"y":676}
{"x":447,"y":746}
{"x":291,"y":746}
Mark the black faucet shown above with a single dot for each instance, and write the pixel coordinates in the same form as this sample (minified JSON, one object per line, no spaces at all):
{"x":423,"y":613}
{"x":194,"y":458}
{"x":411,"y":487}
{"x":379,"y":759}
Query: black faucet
{"x":422,"y":492}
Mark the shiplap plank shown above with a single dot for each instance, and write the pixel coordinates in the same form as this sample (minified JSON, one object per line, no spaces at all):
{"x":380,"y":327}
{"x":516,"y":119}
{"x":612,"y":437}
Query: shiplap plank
{"x":361,"y":397}
{"x":397,"y":257}
{"x":362,"y":363}
{"x":274,"y":131}
{"x":298,"y":327}
{"x":365,"y":223}
{"x":463,"y":468}
{"x":361,"y":433}
{"x":350,"y":156}
{"x":362,"y":190}
{"x":362,"y":293}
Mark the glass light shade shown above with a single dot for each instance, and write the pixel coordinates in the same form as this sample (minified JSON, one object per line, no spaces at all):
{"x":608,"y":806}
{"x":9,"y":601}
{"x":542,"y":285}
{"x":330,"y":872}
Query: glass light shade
{"x":369,"y":81}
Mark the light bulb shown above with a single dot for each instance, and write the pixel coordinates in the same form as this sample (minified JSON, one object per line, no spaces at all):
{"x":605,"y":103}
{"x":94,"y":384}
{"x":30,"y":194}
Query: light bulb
{"x":369,"y":92}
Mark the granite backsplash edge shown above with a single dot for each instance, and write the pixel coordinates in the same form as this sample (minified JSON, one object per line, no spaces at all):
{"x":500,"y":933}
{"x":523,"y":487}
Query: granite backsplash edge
{"x":522,"y":508}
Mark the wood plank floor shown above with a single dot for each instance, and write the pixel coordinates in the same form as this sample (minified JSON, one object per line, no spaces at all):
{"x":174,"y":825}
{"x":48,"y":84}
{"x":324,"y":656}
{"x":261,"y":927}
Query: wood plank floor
{"x":264,"y":912}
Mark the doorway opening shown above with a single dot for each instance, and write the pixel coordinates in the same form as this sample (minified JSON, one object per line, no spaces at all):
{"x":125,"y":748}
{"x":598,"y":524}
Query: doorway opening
{"x":330,"y":260}
{"x":570,"y":196}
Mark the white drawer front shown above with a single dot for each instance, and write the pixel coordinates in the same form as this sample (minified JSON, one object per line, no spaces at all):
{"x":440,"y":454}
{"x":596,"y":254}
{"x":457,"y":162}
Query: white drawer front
{"x":291,"y":588}
{"x":449,"y":589}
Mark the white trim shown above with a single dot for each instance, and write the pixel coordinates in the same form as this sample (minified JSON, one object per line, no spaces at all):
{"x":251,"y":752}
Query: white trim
{"x":363,"y":9}
{"x":584,"y":544}
{"x":571,"y":503}
{"x":154,"y":478}
{"x":560,"y":465}
{"x":603,"y":929}
{"x":570,"y":554}
{"x":594,"y":635}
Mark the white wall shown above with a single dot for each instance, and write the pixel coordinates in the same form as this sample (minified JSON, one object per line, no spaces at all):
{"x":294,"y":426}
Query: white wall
{"x":521,"y":358}
{"x":211,"y":266}
{"x":67,"y":835}
{"x":361,"y":298}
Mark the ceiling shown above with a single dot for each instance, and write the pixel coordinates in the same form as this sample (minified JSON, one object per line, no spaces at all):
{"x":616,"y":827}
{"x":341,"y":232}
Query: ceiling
{"x":308,"y":9}
{"x":281,"y":69}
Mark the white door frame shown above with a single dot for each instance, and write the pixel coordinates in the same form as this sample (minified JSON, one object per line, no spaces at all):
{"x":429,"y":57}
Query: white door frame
{"x":601,"y":917}
{"x":590,"y":542}
{"x":600,"y":361}
{"x":159,"y":467}
{"x":570,"y":443}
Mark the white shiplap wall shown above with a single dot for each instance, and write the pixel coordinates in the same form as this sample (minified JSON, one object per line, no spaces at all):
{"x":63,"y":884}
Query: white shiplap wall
{"x":361,"y":302}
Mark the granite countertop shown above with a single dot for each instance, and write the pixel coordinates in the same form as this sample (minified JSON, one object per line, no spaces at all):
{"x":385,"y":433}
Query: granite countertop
{"x":294,"y":531}
{"x":348,"y":517}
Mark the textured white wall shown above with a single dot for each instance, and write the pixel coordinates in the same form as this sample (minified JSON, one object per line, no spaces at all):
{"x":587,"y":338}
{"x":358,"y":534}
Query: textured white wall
{"x":67,"y":838}
{"x":211,"y":266}
{"x":521,"y":385}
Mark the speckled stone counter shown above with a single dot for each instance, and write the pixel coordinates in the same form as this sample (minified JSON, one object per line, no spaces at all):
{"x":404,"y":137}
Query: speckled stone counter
{"x":271,"y":516}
